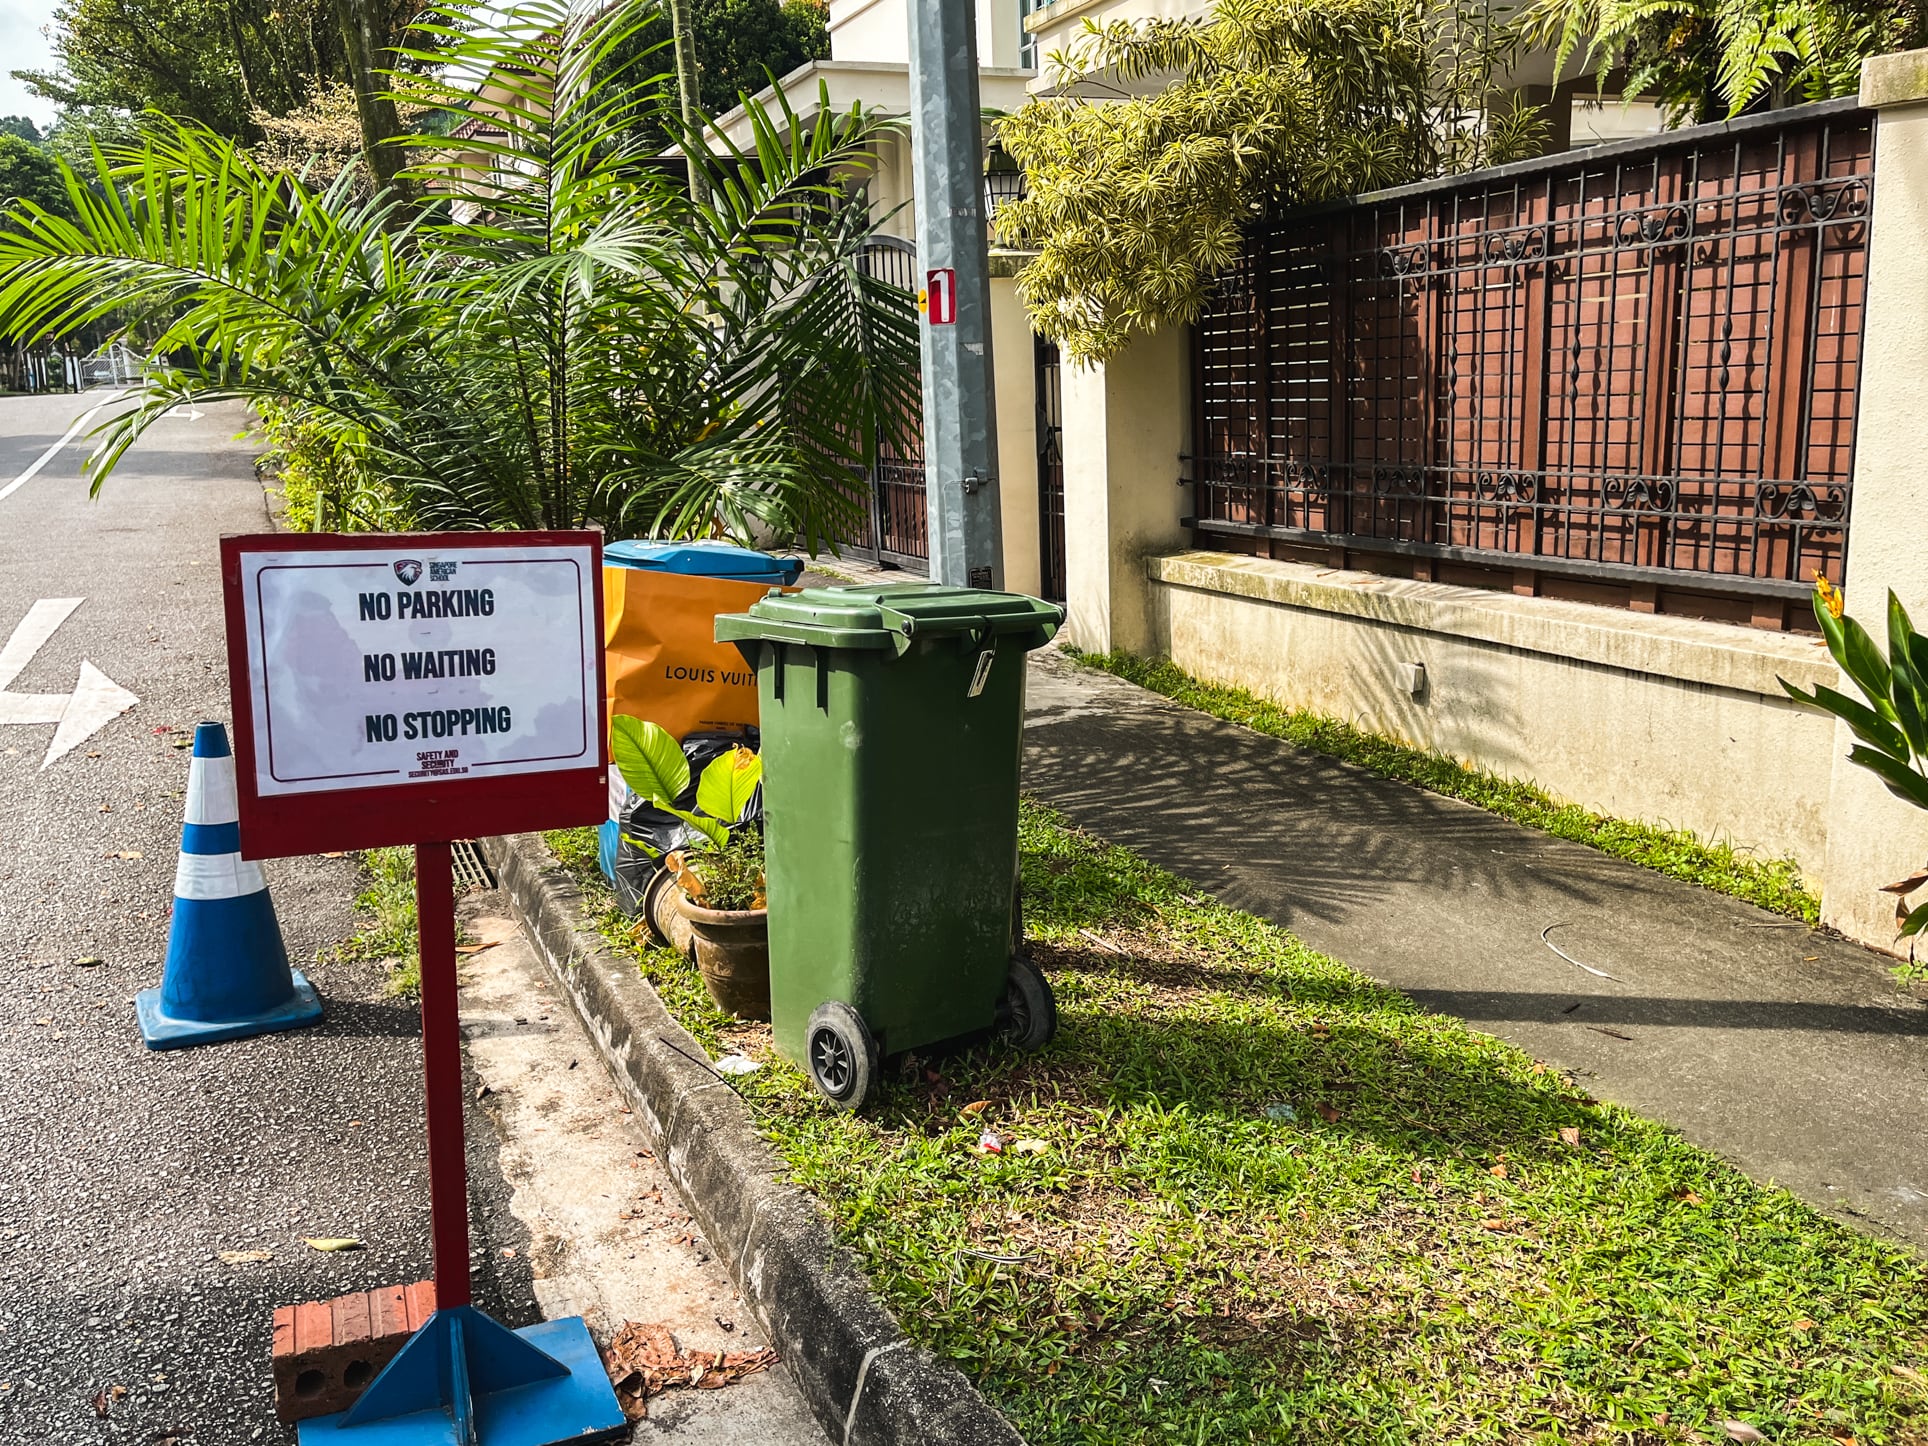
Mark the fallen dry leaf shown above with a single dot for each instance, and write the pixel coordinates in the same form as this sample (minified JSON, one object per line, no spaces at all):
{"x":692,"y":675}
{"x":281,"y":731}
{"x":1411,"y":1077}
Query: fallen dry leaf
{"x":1688,"y":1197}
{"x":975,"y":1107}
{"x":476,"y":948}
{"x":1496,"y":1225}
{"x":100,"y":1404}
{"x":1570,"y":1135}
{"x":1030,"y":1147}
{"x":331,"y":1242}
{"x":1741,"y":1431}
{"x":643,"y":1361}
{"x":1498,"y":1172}
{"x":247,"y":1257}
{"x":1327,"y":1113}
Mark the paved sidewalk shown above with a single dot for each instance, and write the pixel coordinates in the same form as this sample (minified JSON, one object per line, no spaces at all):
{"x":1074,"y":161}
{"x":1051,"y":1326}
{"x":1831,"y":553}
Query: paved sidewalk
{"x":1790,"y":1053}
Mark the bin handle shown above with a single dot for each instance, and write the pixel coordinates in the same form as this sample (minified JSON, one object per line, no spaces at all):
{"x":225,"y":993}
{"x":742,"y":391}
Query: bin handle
{"x":901,"y":626}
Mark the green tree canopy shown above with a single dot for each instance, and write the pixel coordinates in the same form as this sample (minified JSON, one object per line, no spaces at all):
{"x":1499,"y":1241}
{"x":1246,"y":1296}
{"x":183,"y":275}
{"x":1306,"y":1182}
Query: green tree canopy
{"x":738,"y":40}
{"x":1135,"y":206}
{"x":28,"y":172}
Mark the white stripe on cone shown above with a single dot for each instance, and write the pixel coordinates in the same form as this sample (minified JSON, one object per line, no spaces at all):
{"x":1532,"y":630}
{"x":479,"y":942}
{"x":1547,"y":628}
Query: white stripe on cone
{"x":211,"y":795}
{"x":211,"y":800}
{"x":217,"y":876}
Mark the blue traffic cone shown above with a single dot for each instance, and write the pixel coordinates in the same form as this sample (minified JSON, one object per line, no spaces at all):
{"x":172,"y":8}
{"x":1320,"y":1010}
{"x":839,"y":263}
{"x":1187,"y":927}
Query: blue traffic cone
{"x":227,"y":973}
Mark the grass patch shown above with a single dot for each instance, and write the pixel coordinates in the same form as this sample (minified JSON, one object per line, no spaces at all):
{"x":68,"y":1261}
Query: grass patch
{"x":387,"y":907}
{"x":1279,"y":1203}
{"x":1775,"y":885}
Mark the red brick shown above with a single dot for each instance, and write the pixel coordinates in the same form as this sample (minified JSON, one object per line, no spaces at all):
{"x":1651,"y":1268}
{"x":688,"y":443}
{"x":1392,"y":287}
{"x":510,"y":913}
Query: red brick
{"x":389,"y":1311}
{"x":326,"y":1352}
{"x":421,"y":1303}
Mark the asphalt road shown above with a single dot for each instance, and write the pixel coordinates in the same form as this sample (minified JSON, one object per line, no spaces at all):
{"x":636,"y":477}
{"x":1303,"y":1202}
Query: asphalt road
{"x":125,"y":1175}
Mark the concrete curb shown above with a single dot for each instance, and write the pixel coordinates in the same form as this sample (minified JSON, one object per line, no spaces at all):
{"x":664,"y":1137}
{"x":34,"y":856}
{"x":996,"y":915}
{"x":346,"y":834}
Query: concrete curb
{"x":866,"y":1383}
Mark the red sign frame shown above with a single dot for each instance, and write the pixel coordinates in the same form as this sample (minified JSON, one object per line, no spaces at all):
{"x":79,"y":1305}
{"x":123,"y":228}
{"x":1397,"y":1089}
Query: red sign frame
{"x":433,"y":810}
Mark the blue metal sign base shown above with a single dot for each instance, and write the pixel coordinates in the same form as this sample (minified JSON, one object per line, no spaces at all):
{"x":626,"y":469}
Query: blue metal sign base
{"x":465,"y":1380}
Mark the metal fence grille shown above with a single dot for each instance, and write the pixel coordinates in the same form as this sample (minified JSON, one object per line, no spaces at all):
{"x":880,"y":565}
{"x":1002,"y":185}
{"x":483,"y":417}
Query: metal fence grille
{"x":1050,"y":396}
{"x":896,"y":528}
{"x":1635,"y":365}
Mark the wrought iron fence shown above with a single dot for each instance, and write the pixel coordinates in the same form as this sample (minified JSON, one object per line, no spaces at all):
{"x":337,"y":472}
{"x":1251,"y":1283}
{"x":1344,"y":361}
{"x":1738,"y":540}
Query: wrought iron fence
{"x":1050,"y":396}
{"x":895,"y":528}
{"x":1635,"y":365}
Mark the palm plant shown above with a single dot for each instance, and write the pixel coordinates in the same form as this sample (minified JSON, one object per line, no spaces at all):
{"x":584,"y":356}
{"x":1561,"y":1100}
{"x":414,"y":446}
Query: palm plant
{"x":580,"y":342}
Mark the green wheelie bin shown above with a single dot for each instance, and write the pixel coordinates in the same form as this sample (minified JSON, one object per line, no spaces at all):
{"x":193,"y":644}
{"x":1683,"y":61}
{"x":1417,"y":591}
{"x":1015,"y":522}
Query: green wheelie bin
{"x":893,"y":723}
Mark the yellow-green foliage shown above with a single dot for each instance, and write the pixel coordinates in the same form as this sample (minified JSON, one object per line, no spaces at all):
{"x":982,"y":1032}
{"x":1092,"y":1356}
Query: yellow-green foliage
{"x":325,"y":482}
{"x":1136,"y":206}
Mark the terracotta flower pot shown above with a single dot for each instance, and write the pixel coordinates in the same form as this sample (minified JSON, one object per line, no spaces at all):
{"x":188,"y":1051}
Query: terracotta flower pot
{"x":733,"y":955}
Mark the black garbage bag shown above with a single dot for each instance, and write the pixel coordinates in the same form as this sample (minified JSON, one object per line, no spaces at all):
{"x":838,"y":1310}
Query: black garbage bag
{"x":649,"y":833}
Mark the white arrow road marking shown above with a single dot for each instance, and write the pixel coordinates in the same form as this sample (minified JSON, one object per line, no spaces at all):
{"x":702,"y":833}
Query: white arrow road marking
{"x":96,"y":701}
{"x":42,"y":621}
{"x":54,"y":451}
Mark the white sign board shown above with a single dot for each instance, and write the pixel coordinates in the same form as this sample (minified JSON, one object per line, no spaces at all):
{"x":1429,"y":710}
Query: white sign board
{"x":373,"y":667}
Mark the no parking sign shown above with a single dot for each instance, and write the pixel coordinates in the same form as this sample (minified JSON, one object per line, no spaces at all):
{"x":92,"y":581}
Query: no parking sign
{"x":406,"y":689}
{"x":419,"y":690}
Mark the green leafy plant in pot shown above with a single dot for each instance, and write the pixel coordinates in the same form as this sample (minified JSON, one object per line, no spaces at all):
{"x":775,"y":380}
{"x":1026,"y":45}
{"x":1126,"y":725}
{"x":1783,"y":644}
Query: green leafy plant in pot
{"x":716,"y":885}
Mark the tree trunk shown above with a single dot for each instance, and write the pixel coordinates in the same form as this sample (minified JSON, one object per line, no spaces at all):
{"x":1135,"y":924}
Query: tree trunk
{"x":367,"y":54}
{"x":686,"y":87}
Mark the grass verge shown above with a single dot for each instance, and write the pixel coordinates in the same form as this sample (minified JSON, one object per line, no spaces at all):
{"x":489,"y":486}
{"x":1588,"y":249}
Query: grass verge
{"x":387,"y":907}
{"x":1260,"y":1198}
{"x":1773,"y":884}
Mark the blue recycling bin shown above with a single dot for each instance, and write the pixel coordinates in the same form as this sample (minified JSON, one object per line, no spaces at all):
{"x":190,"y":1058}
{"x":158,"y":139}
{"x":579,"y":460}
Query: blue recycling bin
{"x":705,"y":559}
{"x":690,"y":559}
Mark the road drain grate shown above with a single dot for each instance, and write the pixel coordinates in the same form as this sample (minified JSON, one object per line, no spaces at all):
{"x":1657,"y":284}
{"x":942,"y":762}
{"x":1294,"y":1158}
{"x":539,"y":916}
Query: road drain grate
{"x":471,"y":869}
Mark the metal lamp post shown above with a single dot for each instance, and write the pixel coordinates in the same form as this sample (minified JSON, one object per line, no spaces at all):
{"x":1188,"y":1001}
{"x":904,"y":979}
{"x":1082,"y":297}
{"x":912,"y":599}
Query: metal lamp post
{"x":960,"y":426}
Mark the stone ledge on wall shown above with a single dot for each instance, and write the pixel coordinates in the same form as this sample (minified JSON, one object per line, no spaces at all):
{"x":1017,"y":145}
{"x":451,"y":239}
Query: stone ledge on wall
{"x":1670,"y":721}
{"x":1686,"y":650}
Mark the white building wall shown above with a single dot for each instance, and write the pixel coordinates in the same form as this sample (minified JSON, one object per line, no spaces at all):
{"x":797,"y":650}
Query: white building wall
{"x":878,"y":30}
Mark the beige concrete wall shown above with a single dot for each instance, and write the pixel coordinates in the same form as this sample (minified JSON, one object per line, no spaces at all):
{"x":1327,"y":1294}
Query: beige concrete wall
{"x":1667,"y":720}
{"x":880,"y":30}
{"x":1875,"y":838}
{"x":1014,"y":378}
{"x":1057,"y":24}
{"x":1125,"y":424}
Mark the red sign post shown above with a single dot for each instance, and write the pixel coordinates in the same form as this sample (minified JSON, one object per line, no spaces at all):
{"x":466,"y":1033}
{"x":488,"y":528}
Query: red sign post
{"x":422,"y":689}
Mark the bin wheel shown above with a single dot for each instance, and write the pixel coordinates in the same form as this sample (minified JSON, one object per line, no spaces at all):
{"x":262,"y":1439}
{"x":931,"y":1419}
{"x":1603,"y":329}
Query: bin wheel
{"x":841,"y":1054}
{"x":1030,"y":1013}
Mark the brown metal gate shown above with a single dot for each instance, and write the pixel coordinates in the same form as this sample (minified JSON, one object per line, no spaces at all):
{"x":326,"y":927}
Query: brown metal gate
{"x":1050,"y":471}
{"x":896,"y":527}
{"x":1626,"y":374}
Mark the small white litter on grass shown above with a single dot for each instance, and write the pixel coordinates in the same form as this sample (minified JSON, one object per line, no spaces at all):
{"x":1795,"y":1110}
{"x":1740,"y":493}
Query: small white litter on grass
{"x":738,"y":1064}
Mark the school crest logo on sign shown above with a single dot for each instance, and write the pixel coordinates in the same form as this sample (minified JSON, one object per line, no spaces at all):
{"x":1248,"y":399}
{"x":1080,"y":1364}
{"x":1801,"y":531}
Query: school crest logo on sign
{"x":409,"y":571}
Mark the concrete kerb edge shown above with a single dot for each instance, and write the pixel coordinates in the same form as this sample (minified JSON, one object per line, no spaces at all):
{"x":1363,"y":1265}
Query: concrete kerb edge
{"x":813,"y":1301}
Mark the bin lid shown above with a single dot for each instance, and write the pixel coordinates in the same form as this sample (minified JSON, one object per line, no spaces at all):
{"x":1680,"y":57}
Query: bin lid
{"x":704,"y":559}
{"x":890,"y":617}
